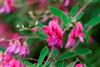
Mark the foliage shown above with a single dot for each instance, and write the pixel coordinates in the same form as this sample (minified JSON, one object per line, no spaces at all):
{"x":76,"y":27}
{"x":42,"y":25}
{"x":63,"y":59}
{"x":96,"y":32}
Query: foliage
{"x":34,"y":22}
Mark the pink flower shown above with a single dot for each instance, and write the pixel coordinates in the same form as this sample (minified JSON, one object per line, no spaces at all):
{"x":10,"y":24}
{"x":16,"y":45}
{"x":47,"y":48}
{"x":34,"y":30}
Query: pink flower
{"x":1,"y":56}
{"x":7,"y":7}
{"x":15,"y":63}
{"x":78,"y":65}
{"x":4,"y":30}
{"x":7,"y":57}
{"x":55,"y":34}
{"x":64,"y":9}
{"x":66,"y":2}
{"x":34,"y":29}
{"x":44,"y":19}
{"x":71,"y":38}
{"x":80,"y":34}
{"x":9,"y":61}
{"x":14,"y":48}
{"x":74,"y":34}
{"x":17,"y":46}
{"x":4,"y":43}
{"x":15,"y":36}
{"x":24,"y":50}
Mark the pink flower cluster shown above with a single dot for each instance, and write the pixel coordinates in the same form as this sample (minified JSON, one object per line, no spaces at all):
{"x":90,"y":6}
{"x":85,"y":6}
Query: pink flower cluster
{"x":7,"y":7}
{"x":74,"y":34}
{"x":7,"y":60}
{"x":16,"y":47}
{"x":55,"y":34}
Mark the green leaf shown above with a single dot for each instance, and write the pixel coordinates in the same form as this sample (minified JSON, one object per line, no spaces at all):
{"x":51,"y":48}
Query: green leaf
{"x":88,"y":1}
{"x":31,"y":41}
{"x":71,"y":64}
{"x":41,"y":35}
{"x":93,"y":22}
{"x":26,"y":32}
{"x":87,"y":36}
{"x":54,"y":0}
{"x":60,"y":64}
{"x":47,"y":64}
{"x":55,"y":11}
{"x":54,"y":53}
{"x":96,"y":1}
{"x":39,"y":65}
{"x":74,"y":10}
{"x":60,"y":14}
{"x":79,"y":16}
{"x":43,"y":54}
{"x":10,"y":18}
{"x":51,"y":0}
{"x":52,"y":64}
{"x":29,"y":64}
{"x":2,"y":49}
{"x":40,"y":24}
{"x":83,"y":51}
{"x":66,"y":55}
{"x":64,"y":19}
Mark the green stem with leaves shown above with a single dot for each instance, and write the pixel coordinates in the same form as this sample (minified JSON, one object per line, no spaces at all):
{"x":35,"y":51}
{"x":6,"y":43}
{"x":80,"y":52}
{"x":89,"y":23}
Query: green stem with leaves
{"x":81,"y":10}
{"x":50,"y":54}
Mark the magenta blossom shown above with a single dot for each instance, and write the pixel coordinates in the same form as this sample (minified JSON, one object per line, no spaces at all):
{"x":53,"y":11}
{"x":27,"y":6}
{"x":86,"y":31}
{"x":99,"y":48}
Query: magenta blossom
{"x":79,"y":29}
{"x":71,"y":39}
{"x":9,"y":61}
{"x":1,"y":56}
{"x":7,"y":7}
{"x":15,"y":36}
{"x":4,"y":43}
{"x":44,"y":19}
{"x":55,"y":34}
{"x":68,"y":2}
{"x":64,"y":9}
{"x":4,"y":30}
{"x":15,"y":63}
{"x":24,"y":50}
{"x":74,"y":34}
{"x":14,"y":48}
{"x":34,"y":29}
{"x":78,"y":65}
{"x":17,"y":48}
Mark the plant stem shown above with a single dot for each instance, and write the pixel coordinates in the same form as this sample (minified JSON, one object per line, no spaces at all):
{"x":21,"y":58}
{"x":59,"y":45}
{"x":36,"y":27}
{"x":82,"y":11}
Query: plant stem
{"x":89,"y":28}
{"x":48,"y":56}
{"x":31,"y":59}
{"x":80,"y":11}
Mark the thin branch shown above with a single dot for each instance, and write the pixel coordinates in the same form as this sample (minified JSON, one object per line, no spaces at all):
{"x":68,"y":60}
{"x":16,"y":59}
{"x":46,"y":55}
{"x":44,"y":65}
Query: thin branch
{"x":89,"y":28}
{"x":81,"y":10}
{"x":31,"y":59}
